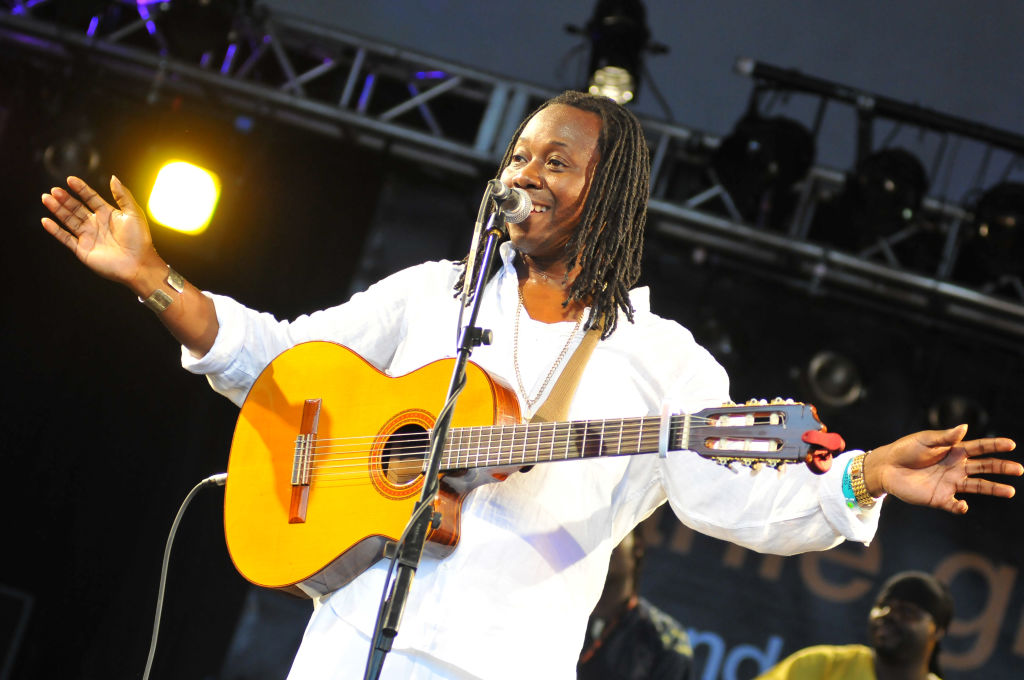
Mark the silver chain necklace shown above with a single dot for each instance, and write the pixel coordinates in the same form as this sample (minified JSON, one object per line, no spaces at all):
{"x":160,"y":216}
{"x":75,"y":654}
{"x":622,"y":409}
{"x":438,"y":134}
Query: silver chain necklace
{"x":515,"y":353}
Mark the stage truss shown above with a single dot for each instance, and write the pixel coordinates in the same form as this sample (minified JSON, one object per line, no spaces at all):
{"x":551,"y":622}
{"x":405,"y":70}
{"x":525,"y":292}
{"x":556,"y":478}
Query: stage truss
{"x":457,"y":118}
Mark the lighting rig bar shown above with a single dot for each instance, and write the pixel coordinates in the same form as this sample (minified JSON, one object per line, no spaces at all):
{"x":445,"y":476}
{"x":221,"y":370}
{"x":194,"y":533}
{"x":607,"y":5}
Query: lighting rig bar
{"x":877,"y":105}
{"x":447,"y":115}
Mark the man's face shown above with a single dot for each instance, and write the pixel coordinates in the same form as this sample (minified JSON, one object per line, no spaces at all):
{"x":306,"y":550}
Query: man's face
{"x":901,"y":631}
{"x":554,"y":160}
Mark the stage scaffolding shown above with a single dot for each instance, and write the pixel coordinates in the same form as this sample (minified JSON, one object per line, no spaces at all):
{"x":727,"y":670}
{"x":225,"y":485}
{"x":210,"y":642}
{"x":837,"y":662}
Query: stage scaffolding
{"x":458,"y":119}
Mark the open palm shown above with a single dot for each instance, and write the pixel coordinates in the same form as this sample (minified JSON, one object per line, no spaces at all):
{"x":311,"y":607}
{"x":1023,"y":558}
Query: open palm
{"x":113,"y":242}
{"x":932,"y":467}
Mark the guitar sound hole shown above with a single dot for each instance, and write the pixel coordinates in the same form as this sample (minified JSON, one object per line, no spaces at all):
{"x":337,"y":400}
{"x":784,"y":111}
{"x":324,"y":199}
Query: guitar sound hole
{"x":404,"y":454}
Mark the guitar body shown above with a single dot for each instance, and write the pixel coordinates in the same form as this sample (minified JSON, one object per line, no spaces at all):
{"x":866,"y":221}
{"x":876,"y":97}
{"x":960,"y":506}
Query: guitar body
{"x":309,"y":529}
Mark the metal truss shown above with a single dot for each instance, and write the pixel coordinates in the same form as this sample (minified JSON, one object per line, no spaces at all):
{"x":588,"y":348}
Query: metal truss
{"x":457,"y":118}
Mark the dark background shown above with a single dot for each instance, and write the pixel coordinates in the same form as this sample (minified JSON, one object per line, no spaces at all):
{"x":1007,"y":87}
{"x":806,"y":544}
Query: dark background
{"x":103,"y":433}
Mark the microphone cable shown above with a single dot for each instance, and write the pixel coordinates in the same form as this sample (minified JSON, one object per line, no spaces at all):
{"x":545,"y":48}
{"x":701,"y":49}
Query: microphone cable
{"x":213,"y":480}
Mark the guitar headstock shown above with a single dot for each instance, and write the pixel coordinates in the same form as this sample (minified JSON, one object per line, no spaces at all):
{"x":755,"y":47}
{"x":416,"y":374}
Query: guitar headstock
{"x":760,"y":432}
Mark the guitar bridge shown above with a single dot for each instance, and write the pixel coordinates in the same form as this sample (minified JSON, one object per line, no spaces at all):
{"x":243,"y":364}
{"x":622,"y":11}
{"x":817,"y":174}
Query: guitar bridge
{"x":302,"y":464}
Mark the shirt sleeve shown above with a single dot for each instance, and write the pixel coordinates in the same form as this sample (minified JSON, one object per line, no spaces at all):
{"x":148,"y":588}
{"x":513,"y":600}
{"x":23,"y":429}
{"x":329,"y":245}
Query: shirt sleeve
{"x":784,"y":511}
{"x":372,"y":323}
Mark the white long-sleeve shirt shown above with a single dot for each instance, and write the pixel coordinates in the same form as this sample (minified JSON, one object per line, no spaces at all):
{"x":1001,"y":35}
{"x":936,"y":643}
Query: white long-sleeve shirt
{"x":513,"y":599}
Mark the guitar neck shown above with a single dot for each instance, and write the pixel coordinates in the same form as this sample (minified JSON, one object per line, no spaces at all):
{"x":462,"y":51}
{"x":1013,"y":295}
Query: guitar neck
{"x":530,"y":443}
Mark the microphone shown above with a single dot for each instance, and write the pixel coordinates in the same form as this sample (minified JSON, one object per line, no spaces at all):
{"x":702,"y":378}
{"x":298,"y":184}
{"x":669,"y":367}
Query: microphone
{"x":513,"y":203}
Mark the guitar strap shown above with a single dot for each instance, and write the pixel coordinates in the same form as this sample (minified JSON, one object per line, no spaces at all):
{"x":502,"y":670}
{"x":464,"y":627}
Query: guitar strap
{"x":555,"y":408}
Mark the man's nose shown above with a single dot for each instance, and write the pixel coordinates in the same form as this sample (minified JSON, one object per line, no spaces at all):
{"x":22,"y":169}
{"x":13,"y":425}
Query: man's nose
{"x":527,"y":176}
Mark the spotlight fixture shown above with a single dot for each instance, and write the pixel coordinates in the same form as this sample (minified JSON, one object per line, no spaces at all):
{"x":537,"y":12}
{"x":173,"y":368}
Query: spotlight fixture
{"x":882,"y":196}
{"x":184,"y":197}
{"x":890,"y":185}
{"x":618,"y":36}
{"x":71,"y":156}
{"x":761,"y":160}
{"x":995,"y":236}
{"x":718,"y":339}
{"x":955,"y":410}
{"x":833,"y":379}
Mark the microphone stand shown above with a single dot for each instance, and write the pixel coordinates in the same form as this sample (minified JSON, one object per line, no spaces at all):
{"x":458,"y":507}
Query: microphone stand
{"x":409,"y":550}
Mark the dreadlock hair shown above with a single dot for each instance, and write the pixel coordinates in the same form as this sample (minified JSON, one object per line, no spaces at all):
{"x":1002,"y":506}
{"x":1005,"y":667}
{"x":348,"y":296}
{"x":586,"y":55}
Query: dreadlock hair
{"x":608,"y":241}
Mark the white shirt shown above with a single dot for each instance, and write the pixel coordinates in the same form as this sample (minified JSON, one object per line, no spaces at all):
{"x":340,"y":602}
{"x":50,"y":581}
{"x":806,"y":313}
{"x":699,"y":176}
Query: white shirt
{"x":513,"y":600}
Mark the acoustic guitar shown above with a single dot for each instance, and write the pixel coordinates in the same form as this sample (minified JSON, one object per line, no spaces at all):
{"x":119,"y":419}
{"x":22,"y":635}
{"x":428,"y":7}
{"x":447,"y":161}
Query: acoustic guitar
{"x":327,"y":457}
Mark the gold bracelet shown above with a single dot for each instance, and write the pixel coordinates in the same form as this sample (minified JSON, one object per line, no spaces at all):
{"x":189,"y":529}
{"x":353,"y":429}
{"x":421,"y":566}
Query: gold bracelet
{"x":158,"y":300}
{"x":860,"y":489}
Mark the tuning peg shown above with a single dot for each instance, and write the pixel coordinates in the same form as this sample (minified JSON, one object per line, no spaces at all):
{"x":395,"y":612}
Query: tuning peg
{"x":751,"y":402}
{"x":777,"y":401}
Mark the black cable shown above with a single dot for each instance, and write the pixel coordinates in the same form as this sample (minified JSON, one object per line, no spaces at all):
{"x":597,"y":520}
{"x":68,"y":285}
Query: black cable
{"x":213,"y":480}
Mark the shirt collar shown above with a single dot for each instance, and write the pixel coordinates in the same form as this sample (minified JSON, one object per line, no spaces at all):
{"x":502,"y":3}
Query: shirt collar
{"x":640,"y":297}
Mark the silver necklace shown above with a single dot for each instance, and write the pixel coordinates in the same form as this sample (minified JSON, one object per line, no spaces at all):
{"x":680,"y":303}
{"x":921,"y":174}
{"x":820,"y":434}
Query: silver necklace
{"x":515,"y":354}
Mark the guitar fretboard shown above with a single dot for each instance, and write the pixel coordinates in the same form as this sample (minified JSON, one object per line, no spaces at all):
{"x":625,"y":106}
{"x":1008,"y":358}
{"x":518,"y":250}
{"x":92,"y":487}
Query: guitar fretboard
{"x":528,"y":443}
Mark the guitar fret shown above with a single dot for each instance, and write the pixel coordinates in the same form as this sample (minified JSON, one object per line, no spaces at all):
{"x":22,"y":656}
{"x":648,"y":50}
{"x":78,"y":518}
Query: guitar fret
{"x":452,"y":450}
{"x":502,"y":446}
{"x":526,"y":441}
{"x":463,"y":446}
{"x":513,"y":442}
{"x":551,"y":451}
{"x":527,"y":433}
{"x":686,"y":432}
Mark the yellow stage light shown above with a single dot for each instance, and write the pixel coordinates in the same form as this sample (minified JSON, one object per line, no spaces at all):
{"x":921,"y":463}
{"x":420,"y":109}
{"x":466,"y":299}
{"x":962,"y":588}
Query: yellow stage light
{"x":184,"y":197}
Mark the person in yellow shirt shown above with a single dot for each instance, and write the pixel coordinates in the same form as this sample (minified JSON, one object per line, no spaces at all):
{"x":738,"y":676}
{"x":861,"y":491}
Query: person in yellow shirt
{"x":911,"y":614}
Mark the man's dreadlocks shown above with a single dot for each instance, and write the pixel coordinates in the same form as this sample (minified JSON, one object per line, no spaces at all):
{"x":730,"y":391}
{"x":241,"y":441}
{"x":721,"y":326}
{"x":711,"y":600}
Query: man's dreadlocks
{"x":608,"y":241}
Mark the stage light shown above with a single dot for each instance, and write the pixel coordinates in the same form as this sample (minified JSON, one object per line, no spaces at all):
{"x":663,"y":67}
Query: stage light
{"x":889,"y":185}
{"x":720,"y":340}
{"x":184,"y":197}
{"x":956,"y":410}
{"x":760,"y":161}
{"x":74,"y":155}
{"x":881,"y":197}
{"x":833,"y":379}
{"x":996,"y":230}
{"x":618,"y":36}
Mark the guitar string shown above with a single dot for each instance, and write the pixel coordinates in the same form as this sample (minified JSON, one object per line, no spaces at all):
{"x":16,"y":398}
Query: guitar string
{"x":487,"y":438}
{"x":520,"y":428}
{"x":480,"y":438}
{"x":331,"y":463}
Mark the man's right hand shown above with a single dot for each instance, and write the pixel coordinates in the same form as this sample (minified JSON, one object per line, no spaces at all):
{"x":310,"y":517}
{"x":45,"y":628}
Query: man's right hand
{"x":114,"y":242}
